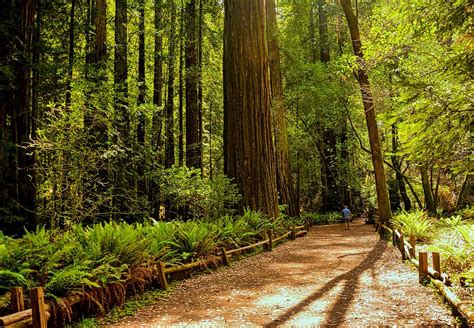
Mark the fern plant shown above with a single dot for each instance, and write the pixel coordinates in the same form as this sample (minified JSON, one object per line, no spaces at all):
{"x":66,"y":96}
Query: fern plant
{"x":195,"y":239}
{"x":414,"y":224}
{"x":235,"y":231}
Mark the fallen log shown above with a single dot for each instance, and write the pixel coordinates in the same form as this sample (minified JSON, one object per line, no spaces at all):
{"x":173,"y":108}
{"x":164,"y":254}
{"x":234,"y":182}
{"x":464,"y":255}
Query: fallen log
{"x":387,"y":228}
{"x":301,"y":233}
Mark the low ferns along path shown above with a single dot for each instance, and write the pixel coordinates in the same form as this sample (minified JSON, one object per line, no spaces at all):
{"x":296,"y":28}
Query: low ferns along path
{"x":330,"y":277}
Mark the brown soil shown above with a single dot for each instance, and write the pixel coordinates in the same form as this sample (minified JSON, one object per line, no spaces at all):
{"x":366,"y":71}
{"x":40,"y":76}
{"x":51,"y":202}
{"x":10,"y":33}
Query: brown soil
{"x":331,"y":277}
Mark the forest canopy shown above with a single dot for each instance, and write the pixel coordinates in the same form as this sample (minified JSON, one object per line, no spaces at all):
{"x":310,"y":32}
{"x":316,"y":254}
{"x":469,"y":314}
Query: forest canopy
{"x":140,"y":110}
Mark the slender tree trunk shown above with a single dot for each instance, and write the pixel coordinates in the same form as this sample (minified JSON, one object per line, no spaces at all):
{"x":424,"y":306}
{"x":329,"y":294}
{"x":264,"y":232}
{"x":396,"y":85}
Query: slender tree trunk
{"x":169,"y":148}
{"x":199,"y":93}
{"x":283,"y":168}
{"x":181,"y":90}
{"x":157,"y":79}
{"x":121,"y":71}
{"x":71,"y":53}
{"x":312,"y":31}
{"x":398,"y":165}
{"x":393,"y":185}
{"x":193,"y":153}
{"x":157,"y":120}
{"x":425,"y":181}
{"x":466,"y":195}
{"x":141,"y":73}
{"x":369,"y":109}
{"x":249,"y":156}
{"x":141,"y":180}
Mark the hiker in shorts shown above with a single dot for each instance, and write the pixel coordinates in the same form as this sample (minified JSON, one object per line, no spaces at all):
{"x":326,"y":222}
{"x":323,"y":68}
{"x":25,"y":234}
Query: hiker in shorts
{"x":346,"y":216}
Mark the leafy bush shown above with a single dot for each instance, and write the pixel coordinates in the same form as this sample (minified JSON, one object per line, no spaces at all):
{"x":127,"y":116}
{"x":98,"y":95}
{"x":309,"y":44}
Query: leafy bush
{"x":413,"y":224}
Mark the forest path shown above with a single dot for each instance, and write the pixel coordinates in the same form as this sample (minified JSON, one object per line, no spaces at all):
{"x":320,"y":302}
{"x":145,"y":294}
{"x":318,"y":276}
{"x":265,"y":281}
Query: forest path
{"x":331,"y":277}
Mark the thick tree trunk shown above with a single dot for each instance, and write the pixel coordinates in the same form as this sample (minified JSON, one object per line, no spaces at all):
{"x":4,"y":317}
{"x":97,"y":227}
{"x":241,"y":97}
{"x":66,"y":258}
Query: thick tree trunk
{"x":425,"y":181}
{"x":169,"y":147}
{"x":23,"y":118}
{"x":94,"y":116}
{"x":193,"y":144}
{"x":283,"y":168}
{"x":17,"y":163}
{"x":361,"y":72}
{"x":249,"y":156}
{"x":323,"y":31}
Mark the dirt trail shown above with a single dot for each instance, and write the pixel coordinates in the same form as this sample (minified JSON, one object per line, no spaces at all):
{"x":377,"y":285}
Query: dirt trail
{"x":331,"y":277}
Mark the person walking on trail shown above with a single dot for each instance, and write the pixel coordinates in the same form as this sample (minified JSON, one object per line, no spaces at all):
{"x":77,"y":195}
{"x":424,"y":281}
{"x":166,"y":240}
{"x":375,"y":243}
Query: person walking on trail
{"x":346,"y":216}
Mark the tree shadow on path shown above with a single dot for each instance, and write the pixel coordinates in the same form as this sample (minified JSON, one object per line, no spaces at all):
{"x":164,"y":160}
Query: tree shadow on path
{"x":336,"y":316}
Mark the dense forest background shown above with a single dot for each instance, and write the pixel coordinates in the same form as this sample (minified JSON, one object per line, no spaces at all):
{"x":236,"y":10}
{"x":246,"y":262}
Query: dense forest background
{"x":118,"y":110}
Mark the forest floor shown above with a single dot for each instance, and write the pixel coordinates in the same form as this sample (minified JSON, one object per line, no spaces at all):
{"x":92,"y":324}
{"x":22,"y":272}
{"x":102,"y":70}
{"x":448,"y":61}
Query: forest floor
{"x":331,"y":277}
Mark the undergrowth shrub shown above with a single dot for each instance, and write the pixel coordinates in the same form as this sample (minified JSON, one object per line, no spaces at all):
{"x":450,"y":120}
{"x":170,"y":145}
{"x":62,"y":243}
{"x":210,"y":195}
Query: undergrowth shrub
{"x":195,"y":239}
{"x":322,"y":218}
{"x":456,"y":244}
{"x":106,"y":255}
{"x":236,"y":231}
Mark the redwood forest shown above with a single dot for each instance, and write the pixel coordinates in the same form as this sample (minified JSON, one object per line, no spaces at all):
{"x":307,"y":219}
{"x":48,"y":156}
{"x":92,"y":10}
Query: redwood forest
{"x":145,"y":144}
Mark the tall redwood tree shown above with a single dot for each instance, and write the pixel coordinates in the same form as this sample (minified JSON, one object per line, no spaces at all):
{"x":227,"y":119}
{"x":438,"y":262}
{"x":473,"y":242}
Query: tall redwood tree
{"x":249,"y":156}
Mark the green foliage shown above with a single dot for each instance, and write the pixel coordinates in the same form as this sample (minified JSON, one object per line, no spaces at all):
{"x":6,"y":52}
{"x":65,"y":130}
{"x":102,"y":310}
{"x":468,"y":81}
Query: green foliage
{"x":414,"y":223}
{"x":211,"y":198}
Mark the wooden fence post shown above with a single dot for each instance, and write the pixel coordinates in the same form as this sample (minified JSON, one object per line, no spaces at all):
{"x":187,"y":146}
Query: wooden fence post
{"x":17,"y":300}
{"x":270,"y":240}
{"x":436,"y":262}
{"x":413,"y":247}
{"x":37,"y":307}
{"x":225,"y":258}
{"x":423,"y":267}
{"x":401,"y":247}
{"x":162,"y":276}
